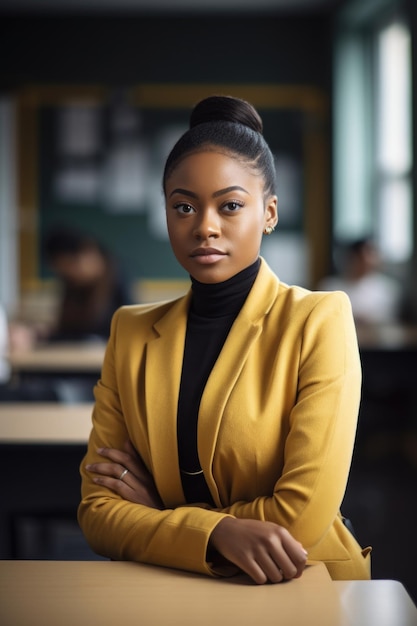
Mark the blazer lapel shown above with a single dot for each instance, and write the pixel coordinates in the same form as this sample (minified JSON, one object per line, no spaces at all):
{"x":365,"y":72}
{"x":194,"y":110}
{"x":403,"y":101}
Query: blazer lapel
{"x":164,"y":358}
{"x":226,"y":372}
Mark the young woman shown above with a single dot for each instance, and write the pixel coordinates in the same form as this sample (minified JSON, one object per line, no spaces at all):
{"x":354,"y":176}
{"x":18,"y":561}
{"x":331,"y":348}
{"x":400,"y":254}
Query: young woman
{"x":225,"y":420}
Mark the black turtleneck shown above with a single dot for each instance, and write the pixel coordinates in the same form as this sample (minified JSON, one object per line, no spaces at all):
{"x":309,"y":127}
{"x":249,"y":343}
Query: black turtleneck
{"x":213,"y":310}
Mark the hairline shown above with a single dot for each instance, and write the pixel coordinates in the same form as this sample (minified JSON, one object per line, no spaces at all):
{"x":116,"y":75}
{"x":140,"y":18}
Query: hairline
{"x":212,"y":146}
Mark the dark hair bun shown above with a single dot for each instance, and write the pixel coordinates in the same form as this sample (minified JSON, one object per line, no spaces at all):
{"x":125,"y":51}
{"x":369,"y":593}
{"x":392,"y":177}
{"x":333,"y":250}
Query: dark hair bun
{"x":226,"y":109}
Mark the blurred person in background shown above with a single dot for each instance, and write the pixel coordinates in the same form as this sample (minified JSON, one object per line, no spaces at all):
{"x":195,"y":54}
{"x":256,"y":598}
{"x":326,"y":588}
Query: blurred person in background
{"x":91,"y":285}
{"x":91,"y":289}
{"x":376,"y":298}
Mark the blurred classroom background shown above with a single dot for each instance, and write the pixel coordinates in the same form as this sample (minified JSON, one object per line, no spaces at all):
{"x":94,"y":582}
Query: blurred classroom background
{"x":92,"y":95}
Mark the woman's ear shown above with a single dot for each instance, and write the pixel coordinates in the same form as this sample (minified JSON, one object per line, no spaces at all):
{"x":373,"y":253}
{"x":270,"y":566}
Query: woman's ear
{"x":271,"y":212}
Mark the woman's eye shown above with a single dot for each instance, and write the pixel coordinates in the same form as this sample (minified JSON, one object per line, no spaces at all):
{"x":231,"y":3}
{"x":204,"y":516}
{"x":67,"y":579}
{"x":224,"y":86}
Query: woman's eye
{"x":233,"y":206}
{"x":183,"y":208}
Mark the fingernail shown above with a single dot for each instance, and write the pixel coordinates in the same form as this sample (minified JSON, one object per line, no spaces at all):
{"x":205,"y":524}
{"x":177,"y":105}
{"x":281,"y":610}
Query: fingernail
{"x":88,"y":467}
{"x":100,"y":450}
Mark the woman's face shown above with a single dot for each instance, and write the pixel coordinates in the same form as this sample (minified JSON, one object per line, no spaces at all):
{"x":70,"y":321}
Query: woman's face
{"x":216,"y":214}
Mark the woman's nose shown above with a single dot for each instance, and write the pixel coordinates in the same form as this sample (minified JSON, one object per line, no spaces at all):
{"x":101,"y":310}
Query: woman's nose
{"x":207,"y":224}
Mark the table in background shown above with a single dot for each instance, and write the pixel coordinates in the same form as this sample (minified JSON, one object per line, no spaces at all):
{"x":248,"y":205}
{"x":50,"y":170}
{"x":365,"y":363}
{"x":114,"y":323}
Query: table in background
{"x":387,"y":336}
{"x":64,"y":372}
{"x":389,"y":394}
{"x":45,"y":423}
{"x":68,"y":357}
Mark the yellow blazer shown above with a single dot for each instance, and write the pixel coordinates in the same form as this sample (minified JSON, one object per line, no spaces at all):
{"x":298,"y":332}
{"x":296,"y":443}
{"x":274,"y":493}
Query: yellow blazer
{"x":276,"y":427}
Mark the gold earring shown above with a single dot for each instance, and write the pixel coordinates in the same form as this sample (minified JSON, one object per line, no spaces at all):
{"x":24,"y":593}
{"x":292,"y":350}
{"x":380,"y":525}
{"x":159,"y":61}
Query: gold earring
{"x":269,"y":229}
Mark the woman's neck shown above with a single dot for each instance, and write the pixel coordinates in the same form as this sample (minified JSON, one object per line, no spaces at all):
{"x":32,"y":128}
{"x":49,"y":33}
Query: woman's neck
{"x":225,"y":298}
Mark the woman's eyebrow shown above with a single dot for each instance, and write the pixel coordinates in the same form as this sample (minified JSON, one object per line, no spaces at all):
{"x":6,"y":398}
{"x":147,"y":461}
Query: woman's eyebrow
{"x":185,"y":192}
{"x":227,"y":189}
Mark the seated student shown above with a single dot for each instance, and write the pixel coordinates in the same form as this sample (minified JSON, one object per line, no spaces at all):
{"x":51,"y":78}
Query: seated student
{"x":225,"y":420}
{"x":375,"y":297}
{"x":91,"y":290}
{"x":91,"y":284}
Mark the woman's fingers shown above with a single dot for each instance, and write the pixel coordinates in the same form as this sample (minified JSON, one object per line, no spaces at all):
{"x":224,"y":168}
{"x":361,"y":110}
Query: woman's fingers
{"x":134,"y":492}
{"x":122,"y":459}
{"x":125,"y":474}
{"x":128,"y":486}
{"x":293,"y":558}
{"x":271,"y":570}
{"x":265,"y":551}
{"x":115,"y":470}
{"x":277,"y":562}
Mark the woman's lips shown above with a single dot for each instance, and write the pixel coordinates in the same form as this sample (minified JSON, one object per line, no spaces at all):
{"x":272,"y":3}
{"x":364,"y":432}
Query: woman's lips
{"x":206,"y":256}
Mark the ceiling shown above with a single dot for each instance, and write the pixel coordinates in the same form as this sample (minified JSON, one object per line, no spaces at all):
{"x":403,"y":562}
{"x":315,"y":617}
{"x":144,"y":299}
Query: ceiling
{"x":101,"y":6}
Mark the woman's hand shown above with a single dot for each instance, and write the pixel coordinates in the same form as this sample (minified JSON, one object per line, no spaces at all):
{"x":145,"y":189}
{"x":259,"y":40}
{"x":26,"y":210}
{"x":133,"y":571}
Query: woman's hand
{"x":126,"y":474}
{"x":264,"y":550}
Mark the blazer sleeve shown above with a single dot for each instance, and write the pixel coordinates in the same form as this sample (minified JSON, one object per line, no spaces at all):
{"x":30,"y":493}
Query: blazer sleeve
{"x":322,"y":426}
{"x":122,"y":530}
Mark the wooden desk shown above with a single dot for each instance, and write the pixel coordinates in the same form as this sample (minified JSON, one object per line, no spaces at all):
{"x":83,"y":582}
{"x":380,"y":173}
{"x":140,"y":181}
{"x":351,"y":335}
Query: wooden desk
{"x":46,"y":593}
{"x":59,"y":357}
{"x":45,"y":423}
{"x":44,"y":445}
